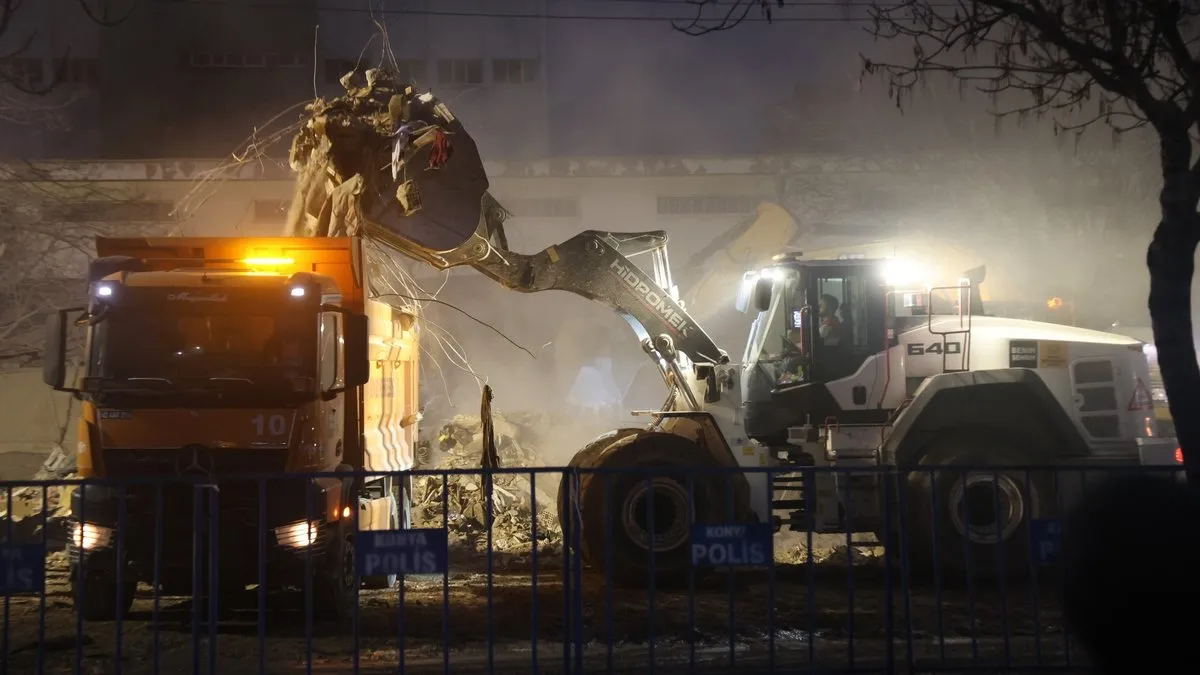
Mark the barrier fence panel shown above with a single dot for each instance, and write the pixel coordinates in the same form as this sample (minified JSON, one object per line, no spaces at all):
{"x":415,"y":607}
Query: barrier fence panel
{"x":645,"y":571}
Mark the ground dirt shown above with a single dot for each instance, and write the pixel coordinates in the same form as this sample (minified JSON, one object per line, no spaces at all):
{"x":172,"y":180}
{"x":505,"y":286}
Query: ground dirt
{"x":828,"y":614}
{"x":820,"y":606}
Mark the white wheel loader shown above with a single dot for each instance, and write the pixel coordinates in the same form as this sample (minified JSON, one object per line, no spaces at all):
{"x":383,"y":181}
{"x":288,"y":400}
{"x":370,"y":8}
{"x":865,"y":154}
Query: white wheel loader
{"x":846,"y":369}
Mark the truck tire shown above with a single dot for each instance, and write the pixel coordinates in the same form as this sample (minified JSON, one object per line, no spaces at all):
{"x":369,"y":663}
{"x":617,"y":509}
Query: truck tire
{"x":952,"y":517}
{"x":615,"y":535}
{"x":335,"y":596}
{"x":585,"y":459}
{"x":95,"y":595}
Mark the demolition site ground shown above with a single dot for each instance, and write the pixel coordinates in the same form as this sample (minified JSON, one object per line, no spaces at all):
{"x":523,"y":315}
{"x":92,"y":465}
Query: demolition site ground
{"x":829,"y":606}
{"x":844,"y":608}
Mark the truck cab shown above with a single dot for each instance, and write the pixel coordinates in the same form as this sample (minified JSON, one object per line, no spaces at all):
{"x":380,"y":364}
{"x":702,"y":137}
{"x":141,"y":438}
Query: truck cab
{"x":213,"y":363}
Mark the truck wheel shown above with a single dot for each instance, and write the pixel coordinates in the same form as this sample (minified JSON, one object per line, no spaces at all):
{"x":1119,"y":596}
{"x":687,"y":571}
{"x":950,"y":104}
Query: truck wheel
{"x":585,"y":459}
{"x":975,"y":521}
{"x":387,"y":580}
{"x":95,"y":595}
{"x":334,"y":594}
{"x":616,"y":534}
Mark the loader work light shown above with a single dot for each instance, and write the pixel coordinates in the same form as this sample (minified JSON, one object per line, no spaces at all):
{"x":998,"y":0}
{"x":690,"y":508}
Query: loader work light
{"x":104,"y":290}
{"x":897,"y":272}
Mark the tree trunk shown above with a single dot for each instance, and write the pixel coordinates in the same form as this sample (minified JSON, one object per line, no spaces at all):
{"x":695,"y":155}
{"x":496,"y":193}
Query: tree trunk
{"x":1171,"y":261}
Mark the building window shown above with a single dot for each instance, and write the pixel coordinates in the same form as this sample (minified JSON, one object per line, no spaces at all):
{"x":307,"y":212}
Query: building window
{"x":515,"y":71}
{"x":29,"y":73}
{"x":708,"y":204}
{"x":245,"y":60}
{"x":546,"y":207}
{"x":296,"y":60}
{"x":411,"y":71}
{"x":460,"y":71}
{"x":80,"y":71}
{"x":132,"y":211}
{"x":270,"y":211}
{"x":336,"y":68}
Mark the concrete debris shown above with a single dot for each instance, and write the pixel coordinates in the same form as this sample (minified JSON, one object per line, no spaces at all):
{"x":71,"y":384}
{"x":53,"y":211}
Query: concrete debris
{"x":389,"y":155}
{"x":29,"y":503}
{"x":459,"y":446}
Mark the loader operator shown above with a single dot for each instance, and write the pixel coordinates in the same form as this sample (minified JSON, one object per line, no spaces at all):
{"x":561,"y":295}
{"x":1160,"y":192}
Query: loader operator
{"x":831,"y":326}
{"x":795,"y":358}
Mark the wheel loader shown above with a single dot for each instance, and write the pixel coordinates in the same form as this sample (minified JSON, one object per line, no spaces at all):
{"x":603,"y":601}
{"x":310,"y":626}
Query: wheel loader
{"x":916,"y":376}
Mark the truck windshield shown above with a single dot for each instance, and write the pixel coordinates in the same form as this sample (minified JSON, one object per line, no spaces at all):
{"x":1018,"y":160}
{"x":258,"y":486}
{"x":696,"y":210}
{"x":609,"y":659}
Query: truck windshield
{"x":775,"y":342}
{"x":230,"y":346}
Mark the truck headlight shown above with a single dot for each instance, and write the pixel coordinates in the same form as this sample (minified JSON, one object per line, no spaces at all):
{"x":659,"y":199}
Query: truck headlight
{"x":89,"y":537}
{"x":297,"y":535}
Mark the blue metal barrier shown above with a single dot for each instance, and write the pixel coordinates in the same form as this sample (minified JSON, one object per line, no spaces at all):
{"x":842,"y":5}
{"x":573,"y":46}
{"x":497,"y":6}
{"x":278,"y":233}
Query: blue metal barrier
{"x":228,"y":588}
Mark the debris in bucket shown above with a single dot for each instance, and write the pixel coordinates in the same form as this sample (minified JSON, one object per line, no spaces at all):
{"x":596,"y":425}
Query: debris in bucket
{"x":387,"y":154}
{"x":459,"y":446}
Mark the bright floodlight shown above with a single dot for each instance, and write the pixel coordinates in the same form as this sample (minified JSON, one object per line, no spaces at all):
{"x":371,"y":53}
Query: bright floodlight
{"x":104,"y":291}
{"x":297,"y":291}
{"x":897,"y":272}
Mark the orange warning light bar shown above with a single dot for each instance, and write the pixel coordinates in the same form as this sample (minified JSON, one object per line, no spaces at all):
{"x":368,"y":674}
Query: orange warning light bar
{"x":267,"y":262}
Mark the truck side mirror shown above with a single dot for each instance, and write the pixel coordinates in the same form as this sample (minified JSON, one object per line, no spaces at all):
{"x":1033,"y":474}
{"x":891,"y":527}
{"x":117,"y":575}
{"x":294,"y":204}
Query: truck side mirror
{"x":357,"y":368}
{"x":54,"y":358}
{"x":762,"y":294}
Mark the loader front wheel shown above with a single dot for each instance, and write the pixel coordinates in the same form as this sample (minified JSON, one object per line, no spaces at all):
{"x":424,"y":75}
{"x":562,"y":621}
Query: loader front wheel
{"x":586,"y":459}
{"x":638,"y":508}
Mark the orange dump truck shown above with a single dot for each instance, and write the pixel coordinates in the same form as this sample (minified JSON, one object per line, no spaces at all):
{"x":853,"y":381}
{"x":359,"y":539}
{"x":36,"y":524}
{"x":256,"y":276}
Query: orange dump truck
{"x":209,"y":360}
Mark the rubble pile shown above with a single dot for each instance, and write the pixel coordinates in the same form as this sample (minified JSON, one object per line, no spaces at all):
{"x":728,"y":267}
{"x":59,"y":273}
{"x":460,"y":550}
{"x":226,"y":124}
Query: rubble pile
{"x":31,"y":502}
{"x":459,"y":445}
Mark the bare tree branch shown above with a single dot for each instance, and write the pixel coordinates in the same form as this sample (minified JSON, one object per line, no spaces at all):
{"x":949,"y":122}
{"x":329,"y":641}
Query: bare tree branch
{"x":13,"y":58}
{"x":718,"y":15}
{"x":47,"y":232}
{"x":1118,"y":63}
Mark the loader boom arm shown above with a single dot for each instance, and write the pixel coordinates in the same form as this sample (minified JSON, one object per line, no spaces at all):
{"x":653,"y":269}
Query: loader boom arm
{"x":592,"y":264}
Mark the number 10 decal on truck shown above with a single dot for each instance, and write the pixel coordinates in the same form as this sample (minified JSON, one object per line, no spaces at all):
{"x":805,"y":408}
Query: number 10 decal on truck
{"x":211,"y":360}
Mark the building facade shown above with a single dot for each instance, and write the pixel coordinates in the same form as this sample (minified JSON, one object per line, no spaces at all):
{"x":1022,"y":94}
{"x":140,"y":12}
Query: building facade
{"x":531,"y":78}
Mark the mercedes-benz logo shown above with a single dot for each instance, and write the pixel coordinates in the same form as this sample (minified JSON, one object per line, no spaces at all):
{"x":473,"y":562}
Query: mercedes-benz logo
{"x":194,"y":460}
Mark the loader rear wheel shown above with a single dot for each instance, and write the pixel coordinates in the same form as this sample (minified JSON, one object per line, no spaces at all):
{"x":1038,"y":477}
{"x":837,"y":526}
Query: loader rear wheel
{"x":585,"y":459}
{"x":973,"y":520}
{"x":637,"y":514}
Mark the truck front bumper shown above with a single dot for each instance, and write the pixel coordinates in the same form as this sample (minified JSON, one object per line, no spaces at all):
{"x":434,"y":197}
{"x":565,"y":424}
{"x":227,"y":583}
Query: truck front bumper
{"x":193,"y":529}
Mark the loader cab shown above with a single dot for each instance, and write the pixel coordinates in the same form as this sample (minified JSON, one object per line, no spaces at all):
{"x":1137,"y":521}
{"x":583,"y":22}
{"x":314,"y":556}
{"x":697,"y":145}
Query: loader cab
{"x":817,"y":321}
